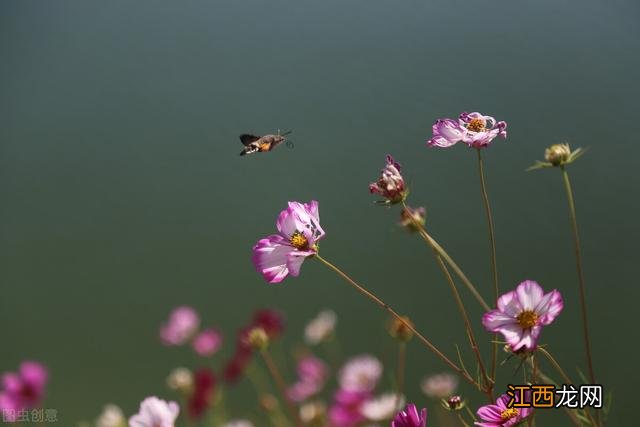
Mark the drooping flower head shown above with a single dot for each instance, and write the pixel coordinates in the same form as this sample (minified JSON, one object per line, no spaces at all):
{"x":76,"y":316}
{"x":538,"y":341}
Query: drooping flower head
{"x":390,"y":185}
{"x":439,"y":386}
{"x":474,"y":129}
{"x":410,"y":417}
{"x":23,"y":389}
{"x":155,"y":412}
{"x":522,"y":313}
{"x":207,"y":342}
{"x":312,"y":375}
{"x":360,"y":374}
{"x":182,"y":325}
{"x":280,"y":255}
{"x":321,"y":327}
{"x":498,"y":415}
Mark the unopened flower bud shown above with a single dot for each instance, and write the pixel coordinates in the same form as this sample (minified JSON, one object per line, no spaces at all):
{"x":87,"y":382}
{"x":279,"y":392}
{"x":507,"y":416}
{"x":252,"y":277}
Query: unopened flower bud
{"x":258,"y":339}
{"x":268,"y":402}
{"x":180,"y":379}
{"x":557,"y":154}
{"x":313,"y":412}
{"x":401,"y":329}
{"x":453,"y":403}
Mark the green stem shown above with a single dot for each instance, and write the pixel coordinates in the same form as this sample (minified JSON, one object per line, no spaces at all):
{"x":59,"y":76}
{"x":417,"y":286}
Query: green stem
{"x":578,"y":252}
{"x":494,"y":264}
{"x":282,"y":387}
{"x":391,"y":311}
{"x":402,"y":358}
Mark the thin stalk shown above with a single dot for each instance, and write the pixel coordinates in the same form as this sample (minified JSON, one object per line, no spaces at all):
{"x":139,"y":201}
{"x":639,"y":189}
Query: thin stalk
{"x":391,"y":311}
{"x":566,"y":379}
{"x":492,"y":243}
{"x":402,"y":359}
{"x":583,"y":304}
{"x":467,"y":321}
{"x":464,"y":423}
{"x":275,"y":373}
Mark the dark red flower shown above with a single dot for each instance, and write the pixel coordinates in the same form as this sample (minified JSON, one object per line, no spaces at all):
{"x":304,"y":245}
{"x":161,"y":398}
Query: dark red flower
{"x":200,"y":400}
{"x":272,"y":321}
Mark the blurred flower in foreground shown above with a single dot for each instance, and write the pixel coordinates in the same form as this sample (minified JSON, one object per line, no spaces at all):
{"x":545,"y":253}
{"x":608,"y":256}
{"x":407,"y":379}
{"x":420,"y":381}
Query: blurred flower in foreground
{"x":313,"y":412}
{"x":280,"y":255}
{"x":155,"y":412}
{"x":200,"y":400}
{"x":558,"y":155}
{"x":111,"y":416}
{"x":474,"y":129}
{"x":522,"y":313}
{"x":182,"y":325}
{"x":361,"y":373}
{"x":180,"y":379}
{"x":346,"y":408}
{"x":391,"y":184}
{"x":321,"y":327}
{"x":207,"y":342}
{"x":22,"y":390}
{"x":410,"y":417}
{"x":439,"y":386}
{"x":411,"y":219}
{"x":238,"y":423}
{"x":312,"y":375}
{"x":382,"y":407}
{"x":498,"y":415}
{"x":272,"y":321}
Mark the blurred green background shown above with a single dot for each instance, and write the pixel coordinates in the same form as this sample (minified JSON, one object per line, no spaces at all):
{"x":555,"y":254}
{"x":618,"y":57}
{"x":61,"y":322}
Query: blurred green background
{"x":123,"y":195}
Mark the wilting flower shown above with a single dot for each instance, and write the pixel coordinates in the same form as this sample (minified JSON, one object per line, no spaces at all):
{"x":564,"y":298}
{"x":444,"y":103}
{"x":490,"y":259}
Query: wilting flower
{"x":474,"y":129}
{"x":111,"y":416}
{"x":22,"y":390}
{"x":320,"y":328}
{"x":382,"y":407}
{"x":312,"y":375}
{"x":280,"y":255}
{"x":410,"y":417}
{"x":558,"y":155}
{"x":439,"y":386}
{"x":180,"y":379}
{"x":498,"y":415}
{"x":360,"y":374}
{"x":522,"y":313}
{"x":207,"y":342}
{"x":182,"y":324}
{"x":391,"y":184}
{"x":155,"y":412}
{"x":200,"y":399}
{"x":412,"y":219}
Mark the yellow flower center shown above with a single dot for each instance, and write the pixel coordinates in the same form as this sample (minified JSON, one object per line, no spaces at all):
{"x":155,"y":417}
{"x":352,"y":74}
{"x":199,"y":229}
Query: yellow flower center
{"x":476,"y":125}
{"x":509,"y":413}
{"x":298,"y":240}
{"x":527,"y":319}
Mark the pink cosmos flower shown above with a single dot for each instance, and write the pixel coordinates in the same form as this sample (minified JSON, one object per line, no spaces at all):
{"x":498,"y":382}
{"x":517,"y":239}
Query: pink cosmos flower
{"x":272,"y":321}
{"x":182,"y":324}
{"x":382,"y":407}
{"x":474,"y":129}
{"x":391,"y":184}
{"x":409,"y":417}
{"x":321,"y":327}
{"x":522,"y":313}
{"x":498,"y":415}
{"x":360,"y":374}
{"x":207,"y":342}
{"x":280,"y":255}
{"x":22,"y":390}
{"x":346,"y":408}
{"x":312,"y":375}
{"x":155,"y":412}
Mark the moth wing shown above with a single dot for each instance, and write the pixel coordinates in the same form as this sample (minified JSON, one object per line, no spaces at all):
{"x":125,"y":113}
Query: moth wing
{"x":247,"y":139}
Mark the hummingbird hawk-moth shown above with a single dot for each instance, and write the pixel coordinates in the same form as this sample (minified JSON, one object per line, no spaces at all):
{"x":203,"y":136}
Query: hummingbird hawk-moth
{"x":262,"y":144}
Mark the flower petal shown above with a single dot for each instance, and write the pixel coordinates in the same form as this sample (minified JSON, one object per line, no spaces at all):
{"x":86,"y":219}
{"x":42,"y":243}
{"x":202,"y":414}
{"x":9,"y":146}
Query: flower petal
{"x":509,"y":304}
{"x":549,"y":307}
{"x":494,"y":320}
{"x":530,"y":294}
{"x":270,"y":257}
{"x":295,"y":260}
